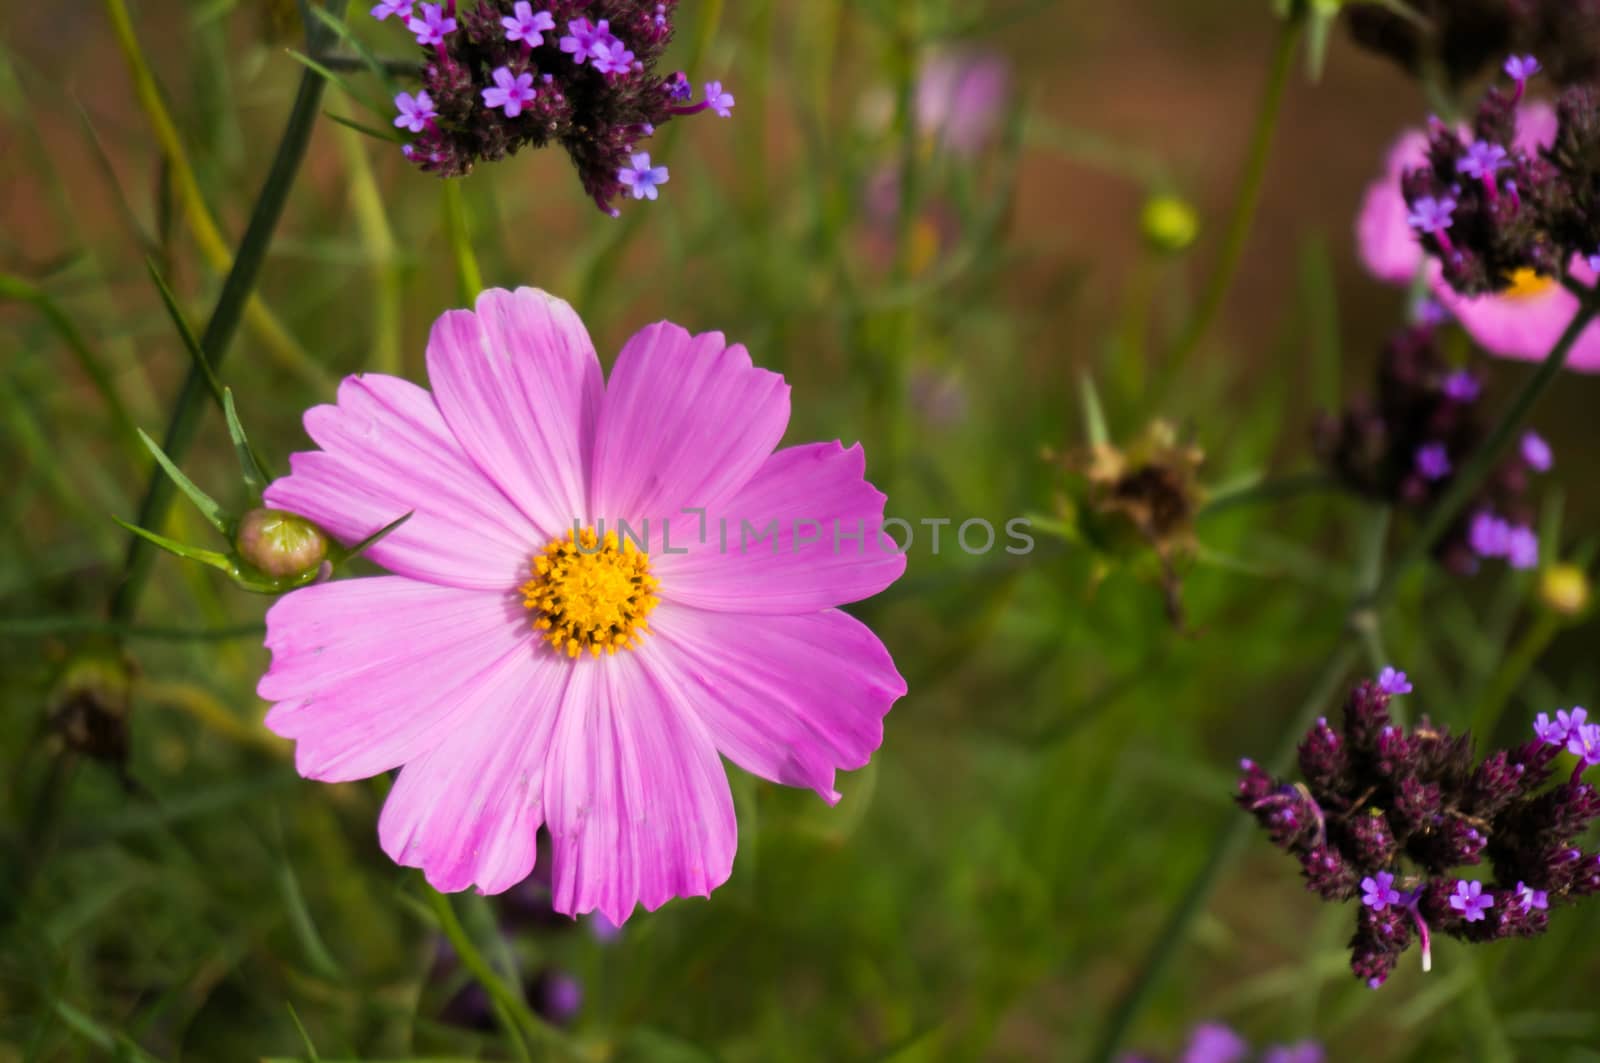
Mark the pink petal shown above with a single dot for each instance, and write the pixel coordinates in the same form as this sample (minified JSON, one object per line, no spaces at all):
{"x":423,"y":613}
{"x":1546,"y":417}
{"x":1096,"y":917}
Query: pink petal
{"x":686,"y":421}
{"x":371,"y":673}
{"x":1536,"y":125}
{"x":637,"y":800}
{"x":818,"y":490}
{"x":1524,"y":327}
{"x":1387,"y":246}
{"x":789,"y":698}
{"x":386,"y":451}
{"x":519,"y":384}
{"x":468,"y":812}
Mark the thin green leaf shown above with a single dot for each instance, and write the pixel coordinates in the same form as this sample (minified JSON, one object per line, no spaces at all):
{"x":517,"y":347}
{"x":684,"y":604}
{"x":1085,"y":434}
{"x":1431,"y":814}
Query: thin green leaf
{"x":311,"y":1049}
{"x":190,"y":343}
{"x":189,"y":553}
{"x":371,"y":103}
{"x":1094,"y":416}
{"x":370,"y":61}
{"x":255,"y":474}
{"x":391,"y":136}
{"x":207,"y":506}
{"x":343,"y":555}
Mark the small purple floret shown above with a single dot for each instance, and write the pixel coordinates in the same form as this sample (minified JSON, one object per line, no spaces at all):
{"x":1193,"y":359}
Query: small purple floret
{"x":1393,"y":682}
{"x":1470,"y":900}
{"x":1433,"y":461}
{"x":1463,"y":386}
{"x":1430,"y":215}
{"x":398,"y":8}
{"x":1489,"y":536}
{"x":527,"y":25}
{"x":510,"y":92}
{"x":1378,"y":892}
{"x":1531,"y":899}
{"x":415,"y":111}
{"x":1522,"y":548}
{"x":719,"y":101}
{"x":642,"y":178}
{"x":1584,"y":743}
{"x":1483,"y":160}
{"x":1536,"y":452}
{"x":434,"y":25}
{"x":1520,"y":68}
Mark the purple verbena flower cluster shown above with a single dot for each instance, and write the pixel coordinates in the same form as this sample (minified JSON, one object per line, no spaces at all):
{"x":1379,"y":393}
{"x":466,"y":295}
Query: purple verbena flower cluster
{"x":1405,"y":446}
{"x":1500,"y":214}
{"x":1386,"y":814}
{"x":507,"y":74}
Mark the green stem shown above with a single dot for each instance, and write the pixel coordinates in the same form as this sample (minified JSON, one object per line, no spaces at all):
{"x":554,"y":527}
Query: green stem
{"x":513,"y":1011}
{"x":1230,"y":839}
{"x":1244,"y":210}
{"x":457,"y":229}
{"x":219,"y":333}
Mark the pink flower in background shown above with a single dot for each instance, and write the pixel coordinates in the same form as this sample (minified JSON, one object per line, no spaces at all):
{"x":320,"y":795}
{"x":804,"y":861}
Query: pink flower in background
{"x":961,"y":97}
{"x":520,"y":675}
{"x":1523,"y":322}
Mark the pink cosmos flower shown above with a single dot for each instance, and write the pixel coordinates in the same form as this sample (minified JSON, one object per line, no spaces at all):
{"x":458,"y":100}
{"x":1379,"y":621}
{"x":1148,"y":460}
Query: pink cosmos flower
{"x":476,"y":667}
{"x":1523,"y":322}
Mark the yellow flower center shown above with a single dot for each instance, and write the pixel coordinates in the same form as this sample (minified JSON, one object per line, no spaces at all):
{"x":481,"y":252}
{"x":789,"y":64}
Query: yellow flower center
{"x":1527,"y":283}
{"x":591,"y":594}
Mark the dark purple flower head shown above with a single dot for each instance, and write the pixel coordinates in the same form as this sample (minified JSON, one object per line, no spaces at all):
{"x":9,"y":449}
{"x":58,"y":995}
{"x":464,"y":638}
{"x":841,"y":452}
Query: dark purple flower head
{"x":1387,"y":814}
{"x":1404,"y":444}
{"x":503,"y":75}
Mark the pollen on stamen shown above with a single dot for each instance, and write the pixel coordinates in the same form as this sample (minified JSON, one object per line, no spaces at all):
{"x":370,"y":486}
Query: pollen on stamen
{"x":591,"y":593}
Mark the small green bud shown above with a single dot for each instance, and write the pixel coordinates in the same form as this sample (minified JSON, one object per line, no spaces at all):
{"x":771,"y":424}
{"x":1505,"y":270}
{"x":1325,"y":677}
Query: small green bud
{"x":1169,"y":224}
{"x":280,"y":544}
{"x":1564,"y":589}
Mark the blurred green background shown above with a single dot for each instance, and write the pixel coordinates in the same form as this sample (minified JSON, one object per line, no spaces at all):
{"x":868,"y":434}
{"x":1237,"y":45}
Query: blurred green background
{"x":993,"y":884}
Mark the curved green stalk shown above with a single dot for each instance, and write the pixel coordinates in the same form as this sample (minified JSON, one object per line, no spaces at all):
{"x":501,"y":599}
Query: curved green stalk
{"x":1244,"y":209}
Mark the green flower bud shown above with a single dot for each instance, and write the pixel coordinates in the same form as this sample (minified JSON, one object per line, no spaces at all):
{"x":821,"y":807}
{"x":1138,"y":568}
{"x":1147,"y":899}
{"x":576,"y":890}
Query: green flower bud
{"x":280,"y":544}
{"x":1169,"y":224}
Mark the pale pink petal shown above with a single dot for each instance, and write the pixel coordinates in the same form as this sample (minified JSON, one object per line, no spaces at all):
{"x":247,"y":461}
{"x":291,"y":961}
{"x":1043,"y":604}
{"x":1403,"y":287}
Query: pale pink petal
{"x":386,"y":451}
{"x":370,"y":673}
{"x":1524,"y":327}
{"x":687,"y":420}
{"x":1536,"y":125}
{"x":468,"y":812}
{"x":820,"y":500}
{"x":519,"y":384}
{"x":637,"y":800}
{"x":1387,"y":246}
{"x":790,"y":698}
